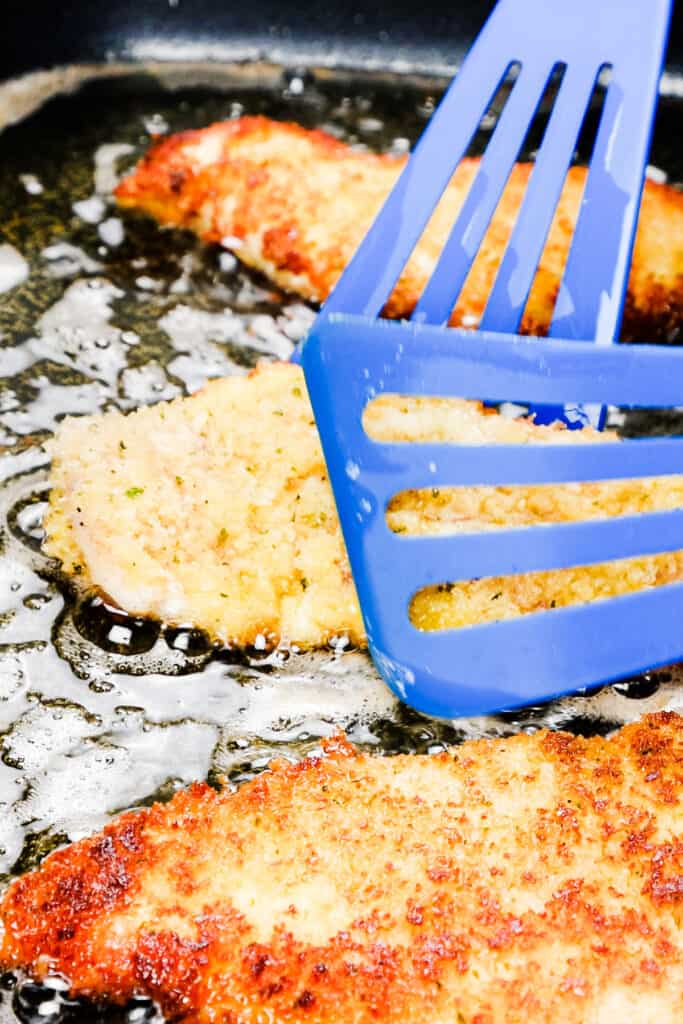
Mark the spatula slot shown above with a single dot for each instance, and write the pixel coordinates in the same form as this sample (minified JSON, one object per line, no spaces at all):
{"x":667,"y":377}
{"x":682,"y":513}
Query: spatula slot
{"x":495,"y":108}
{"x":468,"y":419}
{"x":443,"y":511}
{"x":393,"y":416}
{"x":500,"y":598}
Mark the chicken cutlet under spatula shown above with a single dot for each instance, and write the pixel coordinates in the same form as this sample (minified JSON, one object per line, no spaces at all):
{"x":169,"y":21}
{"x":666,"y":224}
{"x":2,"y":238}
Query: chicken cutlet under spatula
{"x":514,"y":881}
{"x":295,"y":204}
{"x":217,"y":510}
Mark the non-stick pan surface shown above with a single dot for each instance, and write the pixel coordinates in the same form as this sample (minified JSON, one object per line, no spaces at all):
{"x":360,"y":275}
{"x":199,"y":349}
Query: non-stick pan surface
{"x":99,"y":712}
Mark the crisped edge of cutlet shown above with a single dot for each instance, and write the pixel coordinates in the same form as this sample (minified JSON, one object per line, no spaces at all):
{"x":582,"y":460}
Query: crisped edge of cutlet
{"x":166,"y":186}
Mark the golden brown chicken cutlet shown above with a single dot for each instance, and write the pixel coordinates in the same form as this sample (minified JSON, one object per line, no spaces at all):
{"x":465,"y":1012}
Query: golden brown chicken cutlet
{"x":295,"y":204}
{"x":217,"y":510}
{"x":530,"y":880}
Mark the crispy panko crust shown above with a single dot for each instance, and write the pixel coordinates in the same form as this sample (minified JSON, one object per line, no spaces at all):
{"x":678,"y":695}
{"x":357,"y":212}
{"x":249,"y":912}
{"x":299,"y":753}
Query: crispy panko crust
{"x":217,"y":510}
{"x":296,"y":203}
{"x":530,"y":880}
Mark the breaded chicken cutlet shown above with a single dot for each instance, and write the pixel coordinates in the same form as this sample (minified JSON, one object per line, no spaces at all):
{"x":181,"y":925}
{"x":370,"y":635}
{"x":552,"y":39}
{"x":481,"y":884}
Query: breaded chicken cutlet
{"x":295,"y":204}
{"x":530,"y":880}
{"x":217,"y":510}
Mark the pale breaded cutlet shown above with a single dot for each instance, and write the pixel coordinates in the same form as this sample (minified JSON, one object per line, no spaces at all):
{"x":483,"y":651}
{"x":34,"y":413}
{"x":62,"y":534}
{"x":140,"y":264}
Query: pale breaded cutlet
{"x":295,"y":204}
{"x":529,"y":880}
{"x":216,"y":510}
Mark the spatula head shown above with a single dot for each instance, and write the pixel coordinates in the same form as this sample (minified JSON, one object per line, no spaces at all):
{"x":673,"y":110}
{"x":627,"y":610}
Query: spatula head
{"x":349,"y":361}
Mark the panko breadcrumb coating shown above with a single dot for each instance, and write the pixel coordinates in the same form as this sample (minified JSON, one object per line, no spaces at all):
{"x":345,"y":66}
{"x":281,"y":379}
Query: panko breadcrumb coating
{"x":295,"y":204}
{"x":216,"y":510}
{"x":529,"y":880}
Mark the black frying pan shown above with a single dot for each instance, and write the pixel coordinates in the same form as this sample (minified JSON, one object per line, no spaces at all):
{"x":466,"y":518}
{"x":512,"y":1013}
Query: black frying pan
{"x":40,"y":34}
{"x":110,"y":723}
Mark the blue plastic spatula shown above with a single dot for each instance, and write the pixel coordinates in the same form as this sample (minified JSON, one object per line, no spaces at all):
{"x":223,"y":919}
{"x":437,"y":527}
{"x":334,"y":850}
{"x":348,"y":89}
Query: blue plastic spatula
{"x":351,"y":357}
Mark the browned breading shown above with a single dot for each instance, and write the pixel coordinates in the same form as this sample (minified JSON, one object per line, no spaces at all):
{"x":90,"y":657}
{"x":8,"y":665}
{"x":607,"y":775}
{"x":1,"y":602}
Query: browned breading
{"x":295,"y":204}
{"x":536,"y":879}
